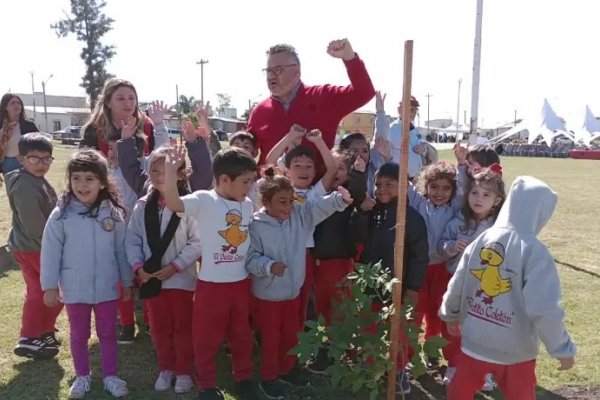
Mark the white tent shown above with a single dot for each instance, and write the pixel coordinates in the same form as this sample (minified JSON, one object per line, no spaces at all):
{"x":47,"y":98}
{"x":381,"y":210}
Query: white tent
{"x":546,"y":124}
{"x":590,"y":129}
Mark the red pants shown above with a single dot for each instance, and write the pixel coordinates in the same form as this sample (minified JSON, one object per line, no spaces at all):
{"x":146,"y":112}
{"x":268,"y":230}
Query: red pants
{"x":37,"y":317}
{"x":221,"y":311}
{"x":515,"y":381}
{"x":430,"y":299}
{"x":171,"y":328}
{"x":127,"y":309}
{"x":329,"y":274}
{"x":306,"y":289}
{"x":278,"y":336}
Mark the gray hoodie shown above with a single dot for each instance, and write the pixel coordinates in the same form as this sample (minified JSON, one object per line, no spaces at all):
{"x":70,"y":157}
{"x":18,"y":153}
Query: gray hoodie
{"x":85,"y":257}
{"x":506,"y":291}
{"x":455,"y":231}
{"x":274,"y":241}
{"x":31,"y":201}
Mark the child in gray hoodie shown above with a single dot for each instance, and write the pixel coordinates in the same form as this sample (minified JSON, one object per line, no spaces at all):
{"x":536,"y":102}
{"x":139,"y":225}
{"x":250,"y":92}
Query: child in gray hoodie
{"x":504,"y":298}
{"x":276,"y":260}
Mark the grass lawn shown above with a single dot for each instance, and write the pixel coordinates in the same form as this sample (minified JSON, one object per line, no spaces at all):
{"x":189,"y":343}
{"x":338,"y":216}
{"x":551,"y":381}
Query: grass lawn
{"x":572,"y":236}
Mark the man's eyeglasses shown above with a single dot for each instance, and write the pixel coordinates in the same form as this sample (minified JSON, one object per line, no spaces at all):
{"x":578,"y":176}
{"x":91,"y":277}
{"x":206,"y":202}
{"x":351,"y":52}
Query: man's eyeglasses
{"x":33,"y":160}
{"x":278,"y":69}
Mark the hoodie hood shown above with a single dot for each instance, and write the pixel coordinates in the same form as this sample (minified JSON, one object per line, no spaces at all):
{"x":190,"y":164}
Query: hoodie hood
{"x":528,"y":206}
{"x":262,"y":216}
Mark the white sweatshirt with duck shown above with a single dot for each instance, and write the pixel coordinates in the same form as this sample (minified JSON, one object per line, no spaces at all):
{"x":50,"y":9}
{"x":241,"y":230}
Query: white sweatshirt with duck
{"x":506,"y":290}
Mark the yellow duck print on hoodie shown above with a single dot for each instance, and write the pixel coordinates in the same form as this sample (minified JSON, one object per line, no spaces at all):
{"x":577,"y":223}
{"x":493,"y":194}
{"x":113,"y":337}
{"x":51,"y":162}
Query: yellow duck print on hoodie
{"x":492,"y":283}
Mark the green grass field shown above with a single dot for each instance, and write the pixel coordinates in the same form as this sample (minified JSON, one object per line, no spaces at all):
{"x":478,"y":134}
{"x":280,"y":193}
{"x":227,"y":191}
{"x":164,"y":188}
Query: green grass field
{"x":572,"y":236}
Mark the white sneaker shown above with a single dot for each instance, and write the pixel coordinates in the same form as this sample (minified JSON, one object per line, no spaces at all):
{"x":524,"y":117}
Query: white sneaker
{"x":488,"y":386}
{"x":115,"y":386}
{"x":183,"y":384}
{"x":164,"y":381}
{"x":81,"y":385}
{"x":450,"y":371}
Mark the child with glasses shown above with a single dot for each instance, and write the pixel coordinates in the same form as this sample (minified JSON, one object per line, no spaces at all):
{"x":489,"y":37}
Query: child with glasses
{"x":31,"y":200}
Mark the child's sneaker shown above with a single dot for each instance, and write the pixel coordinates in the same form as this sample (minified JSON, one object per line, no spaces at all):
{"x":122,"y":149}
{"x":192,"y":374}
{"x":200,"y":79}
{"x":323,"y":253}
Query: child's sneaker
{"x":183,"y":384}
{"x":450,"y":371}
{"x":402,"y":383}
{"x":295,"y":377}
{"x":81,"y":385}
{"x":272,"y":389}
{"x":126,"y":334}
{"x":210,"y":394}
{"x":50,"y":339}
{"x":164,"y":381}
{"x":488,"y":386}
{"x":246,"y":390}
{"x":35,"y":348}
{"x":115,"y":386}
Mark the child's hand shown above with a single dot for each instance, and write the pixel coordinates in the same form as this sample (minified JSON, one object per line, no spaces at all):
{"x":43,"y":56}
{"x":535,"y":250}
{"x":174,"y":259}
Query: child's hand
{"x":454,"y":328}
{"x":345,"y":195}
{"x":383,"y":147}
{"x":204,"y":128}
{"x":51,"y":298}
{"x":157,"y":112}
{"x":360,"y":165}
{"x":341,"y":49}
{"x":368,"y":203}
{"x":566,"y":363}
{"x":190,"y":133}
{"x":460,"y":245}
{"x":165,"y":272}
{"x":379,"y":101}
{"x":278,"y":268}
{"x":127,"y":294}
{"x":314,"y":136}
{"x":460,"y":153}
{"x":175,"y":159}
{"x":128,"y":128}
{"x":296,"y":134}
{"x":143,"y":275}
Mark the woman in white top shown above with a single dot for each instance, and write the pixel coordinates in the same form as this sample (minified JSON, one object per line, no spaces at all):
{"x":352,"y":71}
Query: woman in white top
{"x":12,"y":126}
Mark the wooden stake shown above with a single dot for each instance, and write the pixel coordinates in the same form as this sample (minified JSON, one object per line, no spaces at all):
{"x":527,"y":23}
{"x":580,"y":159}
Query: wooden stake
{"x":400,"y":220}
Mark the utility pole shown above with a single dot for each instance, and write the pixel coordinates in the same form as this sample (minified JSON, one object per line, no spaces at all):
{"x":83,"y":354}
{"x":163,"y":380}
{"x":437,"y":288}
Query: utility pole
{"x":458,"y":109}
{"x":45,"y":109}
{"x":428,"y":95}
{"x":202,"y":62}
{"x":33,"y":94}
{"x":476,"y":68}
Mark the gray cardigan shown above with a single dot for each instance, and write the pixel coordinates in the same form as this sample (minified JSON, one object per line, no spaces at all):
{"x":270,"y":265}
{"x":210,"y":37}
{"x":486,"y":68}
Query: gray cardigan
{"x":83,"y":256}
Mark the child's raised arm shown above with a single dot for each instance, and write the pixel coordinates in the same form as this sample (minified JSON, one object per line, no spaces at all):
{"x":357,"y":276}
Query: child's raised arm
{"x":316,"y":210}
{"x":316,"y":138}
{"x":157,"y":112}
{"x":458,"y":200}
{"x":292,"y":138}
{"x":174,"y":160}
{"x":197,"y":141}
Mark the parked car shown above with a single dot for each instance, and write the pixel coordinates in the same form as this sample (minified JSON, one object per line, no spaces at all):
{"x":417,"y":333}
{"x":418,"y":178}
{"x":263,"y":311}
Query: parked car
{"x":71,"y":135}
{"x":223,"y":136}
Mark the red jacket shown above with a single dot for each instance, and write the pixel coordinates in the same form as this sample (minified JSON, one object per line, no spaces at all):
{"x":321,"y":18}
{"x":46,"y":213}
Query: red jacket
{"x":314,"y":107}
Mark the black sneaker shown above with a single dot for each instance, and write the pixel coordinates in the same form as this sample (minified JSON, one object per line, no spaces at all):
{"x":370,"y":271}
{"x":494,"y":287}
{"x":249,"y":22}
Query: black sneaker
{"x":210,"y":394}
{"x":50,"y":339}
{"x":320,"y":363}
{"x":126,"y":334}
{"x":35,"y":348}
{"x":272,"y":389}
{"x":246,"y":390}
{"x":296,"y":377}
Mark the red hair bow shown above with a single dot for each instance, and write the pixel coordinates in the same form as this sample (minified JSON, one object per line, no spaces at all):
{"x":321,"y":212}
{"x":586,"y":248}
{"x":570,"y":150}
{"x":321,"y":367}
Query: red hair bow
{"x":497,"y":168}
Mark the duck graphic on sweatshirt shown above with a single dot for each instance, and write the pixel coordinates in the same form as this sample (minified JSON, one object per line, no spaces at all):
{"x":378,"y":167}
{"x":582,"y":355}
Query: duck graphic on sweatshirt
{"x":492,"y":284}
{"x":233,"y":235}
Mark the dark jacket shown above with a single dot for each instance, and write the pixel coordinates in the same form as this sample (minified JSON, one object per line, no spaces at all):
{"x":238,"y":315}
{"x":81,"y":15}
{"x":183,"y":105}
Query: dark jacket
{"x":377,"y":230}
{"x":90,"y":138}
{"x":333,"y":237}
{"x":25,"y":125}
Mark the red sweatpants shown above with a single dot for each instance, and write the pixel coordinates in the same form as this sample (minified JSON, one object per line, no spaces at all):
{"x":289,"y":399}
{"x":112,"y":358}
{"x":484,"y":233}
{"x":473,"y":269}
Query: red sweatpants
{"x":221,"y":311}
{"x":306,"y":288}
{"x":515,"y":381}
{"x":329,"y":274}
{"x":278,"y":336}
{"x":37,"y":318}
{"x":171,"y":329}
{"x":430,"y":299}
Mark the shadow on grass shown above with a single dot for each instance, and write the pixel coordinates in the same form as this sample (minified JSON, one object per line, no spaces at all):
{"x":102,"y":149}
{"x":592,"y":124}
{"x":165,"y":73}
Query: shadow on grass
{"x":578,"y":269}
{"x":35,"y":379}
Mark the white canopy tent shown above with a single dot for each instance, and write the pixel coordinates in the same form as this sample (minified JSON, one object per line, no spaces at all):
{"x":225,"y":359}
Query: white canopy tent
{"x":546,"y":124}
{"x":590,"y":129}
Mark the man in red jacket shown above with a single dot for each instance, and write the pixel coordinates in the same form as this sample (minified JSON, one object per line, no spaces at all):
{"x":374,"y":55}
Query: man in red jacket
{"x":312,"y":107}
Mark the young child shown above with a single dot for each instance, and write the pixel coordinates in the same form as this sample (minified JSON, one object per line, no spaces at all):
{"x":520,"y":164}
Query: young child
{"x":438,"y":198}
{"x":222,"y":297}
{"x":485,"y":196}
{"x":375,"y":226}
{"x":157,"y":237}
{"x":504,"y":298}
{"x":278,"y":269}
{"x":83,"y":254}
{"x":31,"y":200}
{"x":246,"y":141}
{"x":476,"y":157}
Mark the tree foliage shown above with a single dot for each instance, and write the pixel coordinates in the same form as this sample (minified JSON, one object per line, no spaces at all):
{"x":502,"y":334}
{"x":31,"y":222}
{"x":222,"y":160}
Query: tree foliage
{"x":89,"y":25}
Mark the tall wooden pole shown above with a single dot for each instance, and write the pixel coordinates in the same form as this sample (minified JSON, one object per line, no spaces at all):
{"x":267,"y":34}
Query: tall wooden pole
{"x":400,"y":219}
